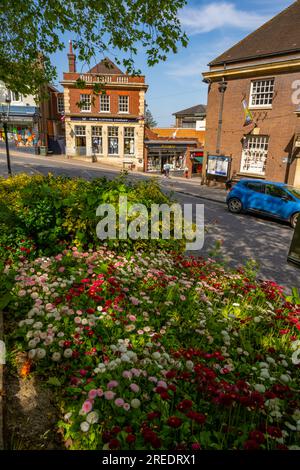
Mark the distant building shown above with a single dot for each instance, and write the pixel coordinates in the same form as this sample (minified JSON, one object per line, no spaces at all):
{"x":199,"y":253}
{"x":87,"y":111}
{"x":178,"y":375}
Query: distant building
{"x":109,"y":125}
{"x":191,"y":118}
{"x":253,"y":98}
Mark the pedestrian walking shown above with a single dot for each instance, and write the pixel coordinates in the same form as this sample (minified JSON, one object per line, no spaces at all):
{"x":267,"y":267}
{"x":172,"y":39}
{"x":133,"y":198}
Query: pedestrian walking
{"x":186,"y":172}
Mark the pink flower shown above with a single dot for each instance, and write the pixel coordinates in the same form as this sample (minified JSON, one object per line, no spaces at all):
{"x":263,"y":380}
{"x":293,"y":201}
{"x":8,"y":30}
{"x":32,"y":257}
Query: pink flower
{"x":93,"y":394}
{"x":140,"y":332}
{"x":127,"y":374}
{"x":61,"y":269}
{"x":152,"y":379}
{"x":134,"y":301}
{"x":100,"y":392}
{"x":135,"y":388}
{"x":109,"y":395}
{"x":132,"y":317}
{"x":135,"y":372}
{"x":161,"y":383}
{"x":126,"y":406}
{"x":112,"y":384}
{"x":119,"y":402}
{"x":87,"y":406}
{"x":183,"y":298}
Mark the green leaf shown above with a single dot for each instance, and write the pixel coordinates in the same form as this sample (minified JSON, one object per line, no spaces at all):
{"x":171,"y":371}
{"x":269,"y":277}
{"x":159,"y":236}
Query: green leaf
{"x":54,"y":381}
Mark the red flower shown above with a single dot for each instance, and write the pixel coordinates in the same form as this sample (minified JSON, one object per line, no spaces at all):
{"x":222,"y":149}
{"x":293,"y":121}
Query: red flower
{"x":114,"y":444}
{"x":196,"y":446}
{"x":130,"y":438}
{"x":174,"y":422}
{"x":257,"y":436}
{"x":251,"y":445}
{"x":274,"y":432}
{"x":115,"y":430}
{"x":153,"y":415}
{"x":184,"y":405}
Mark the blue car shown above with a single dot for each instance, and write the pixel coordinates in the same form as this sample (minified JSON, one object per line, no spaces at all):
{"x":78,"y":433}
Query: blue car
{"x":265,"y":197}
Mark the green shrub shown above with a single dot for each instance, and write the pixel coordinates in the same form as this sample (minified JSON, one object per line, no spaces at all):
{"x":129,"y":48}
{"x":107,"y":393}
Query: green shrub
{"x":39,"y":214}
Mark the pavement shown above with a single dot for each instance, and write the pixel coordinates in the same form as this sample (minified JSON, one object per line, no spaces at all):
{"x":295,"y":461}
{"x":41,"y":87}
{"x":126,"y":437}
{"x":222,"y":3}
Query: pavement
{"x":191,"y":186}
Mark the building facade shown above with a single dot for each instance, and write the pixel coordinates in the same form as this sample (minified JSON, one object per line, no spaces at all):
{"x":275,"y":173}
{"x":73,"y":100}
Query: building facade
{"x":34,"y":122}
{"x":191,"y":118}
{"x":252,"y":106}
{"x":108,"y":125}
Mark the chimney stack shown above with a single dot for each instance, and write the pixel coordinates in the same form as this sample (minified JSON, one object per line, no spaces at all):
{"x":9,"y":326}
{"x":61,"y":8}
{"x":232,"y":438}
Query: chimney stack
{"x":71,"y":58}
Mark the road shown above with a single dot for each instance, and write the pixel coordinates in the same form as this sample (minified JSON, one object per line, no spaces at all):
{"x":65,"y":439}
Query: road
{"x":243,"y":237}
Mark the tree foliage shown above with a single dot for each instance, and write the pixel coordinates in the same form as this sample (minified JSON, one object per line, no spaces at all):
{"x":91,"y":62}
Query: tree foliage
{"x":149,"y":119}
{"x":33,"y":30}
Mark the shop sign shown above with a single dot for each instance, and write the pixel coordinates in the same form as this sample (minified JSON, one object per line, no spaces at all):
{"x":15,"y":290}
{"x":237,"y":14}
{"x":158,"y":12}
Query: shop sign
{"x":218,"y":165}
{"x":102,"y":119}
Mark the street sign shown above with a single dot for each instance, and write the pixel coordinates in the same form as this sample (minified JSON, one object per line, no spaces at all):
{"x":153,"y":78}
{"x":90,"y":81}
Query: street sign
{"x":294,"y":253}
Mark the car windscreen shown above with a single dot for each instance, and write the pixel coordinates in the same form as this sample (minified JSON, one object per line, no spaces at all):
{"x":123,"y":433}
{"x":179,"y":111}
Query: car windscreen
{"x":294,"y":191}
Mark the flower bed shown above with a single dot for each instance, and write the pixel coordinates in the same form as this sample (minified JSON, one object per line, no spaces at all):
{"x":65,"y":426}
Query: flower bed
{"x":158,"y":351}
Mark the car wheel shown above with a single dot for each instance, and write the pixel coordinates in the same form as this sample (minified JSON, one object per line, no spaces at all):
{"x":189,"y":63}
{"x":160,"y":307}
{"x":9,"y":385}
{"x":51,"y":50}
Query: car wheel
{"x":294,"y":219}
{"x":235,"y":205}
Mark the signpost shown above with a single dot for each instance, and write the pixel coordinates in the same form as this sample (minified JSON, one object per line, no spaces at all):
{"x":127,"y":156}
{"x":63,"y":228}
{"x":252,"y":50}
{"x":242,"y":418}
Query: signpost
{"x":294,"y":253}
{"x":218,"y":165}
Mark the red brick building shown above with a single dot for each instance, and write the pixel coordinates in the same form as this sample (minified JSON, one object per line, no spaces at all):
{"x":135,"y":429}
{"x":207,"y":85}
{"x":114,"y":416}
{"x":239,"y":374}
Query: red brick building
{"x":108,"y":125}
{"x":253,"y":99}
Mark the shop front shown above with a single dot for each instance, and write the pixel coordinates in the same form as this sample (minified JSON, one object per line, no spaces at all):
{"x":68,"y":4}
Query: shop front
{"x":197,"y":162}
{"x":175,"y":153}
{"x":22,"y":129}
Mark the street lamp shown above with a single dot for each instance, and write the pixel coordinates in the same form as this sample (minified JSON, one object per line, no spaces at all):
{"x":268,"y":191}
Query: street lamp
{"x":4,"y":117}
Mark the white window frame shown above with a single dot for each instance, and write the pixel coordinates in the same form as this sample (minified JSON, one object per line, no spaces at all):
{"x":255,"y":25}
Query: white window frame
{"x":129,"y":133}
{"x":255,"y":154}
{"x":113,"y":133}
{"x":80,"y":131}
{"x":97,"y":133}
{"x":103,"y":104}
{"x":61,"y":104}
{"x":13,"y":96}
{"x":262,"y":90}
{"x":86,"y":101}
{"x":123,"y":104}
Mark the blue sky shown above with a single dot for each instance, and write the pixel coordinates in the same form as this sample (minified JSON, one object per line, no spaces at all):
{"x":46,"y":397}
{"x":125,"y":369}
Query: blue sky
{"x":212,"y":26}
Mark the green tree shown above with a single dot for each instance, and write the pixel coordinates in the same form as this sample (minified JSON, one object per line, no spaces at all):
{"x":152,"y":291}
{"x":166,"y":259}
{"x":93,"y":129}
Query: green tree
{"x":32,"y":30}
{"x":149,"y":119}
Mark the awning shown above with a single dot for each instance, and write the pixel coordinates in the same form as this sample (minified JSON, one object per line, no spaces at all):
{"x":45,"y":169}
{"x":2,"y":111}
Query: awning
{"x":198,"y":159}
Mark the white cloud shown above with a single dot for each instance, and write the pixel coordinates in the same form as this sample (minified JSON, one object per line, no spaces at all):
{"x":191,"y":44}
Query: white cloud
{"x":217,"y":15}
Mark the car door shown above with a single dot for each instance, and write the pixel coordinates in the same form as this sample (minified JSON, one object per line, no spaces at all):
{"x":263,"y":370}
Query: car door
{"x":277,"y":200}
{"x":256,"y":196}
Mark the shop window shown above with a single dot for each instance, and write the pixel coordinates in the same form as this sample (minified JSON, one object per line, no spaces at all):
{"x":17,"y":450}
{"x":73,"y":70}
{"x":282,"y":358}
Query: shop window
{"x":254,"y":156}
{"x":129,"y":140}
{"x":113,"y":140}
{"x":97,"y":140}
{"x":80,"y":140}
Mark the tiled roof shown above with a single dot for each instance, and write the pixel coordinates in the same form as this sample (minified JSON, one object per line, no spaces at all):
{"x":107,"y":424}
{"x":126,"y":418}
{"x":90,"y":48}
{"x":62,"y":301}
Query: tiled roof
{"x":106,"y":66}
{"x":279,"y":36}
{"x":198,"y":109}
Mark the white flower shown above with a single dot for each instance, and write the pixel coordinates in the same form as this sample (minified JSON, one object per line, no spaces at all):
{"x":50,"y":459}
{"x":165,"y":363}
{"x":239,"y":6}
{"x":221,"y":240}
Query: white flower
{"x":189,"y":365}
{"x":263,"y":365}
{"x":260,"y":388}
{"x":68,"y":353}
{"x":135,"y":403}
{"x":156,"y":355}
{"x":290,"y":426}
{"x":56,"y":356}
{"x":40,"y":353}
{"x":285,"y":378}
{"x":32,"y":343}
{"x":296,"y":357}
{"x":125,"y":358}
{"x":38,"y":325}
{"x":270,"y":360}
{"x":257,"y":319}
{"x":68,"y":416}
{"x":93,"y":417}
{"x":265,"y":373}
{"x":31,"y":353}
{"x":84,"y":426}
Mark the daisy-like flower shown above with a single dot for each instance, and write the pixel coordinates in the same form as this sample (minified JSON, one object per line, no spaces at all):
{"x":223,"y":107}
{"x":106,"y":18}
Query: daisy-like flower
{"x":87,"y":407}
{"x":135,"y":403}
{"x":84,"y":426}
{"x":135,"y":388}
{"x":40,"y":353}
{"x":109,"y":395}
{"x":92,"y":417}
{"x":119,"y":402}
{"x":112,"y":384}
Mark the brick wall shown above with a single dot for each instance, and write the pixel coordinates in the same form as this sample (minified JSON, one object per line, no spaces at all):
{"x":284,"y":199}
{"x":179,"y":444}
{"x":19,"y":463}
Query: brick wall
{"x":74,"y":97}
{"x":280,"y":123}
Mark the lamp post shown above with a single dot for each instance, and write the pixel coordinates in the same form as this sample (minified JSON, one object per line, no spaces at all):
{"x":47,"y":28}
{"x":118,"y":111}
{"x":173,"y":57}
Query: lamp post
{"x":4,"y":117}
{"x":222,"y":89}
